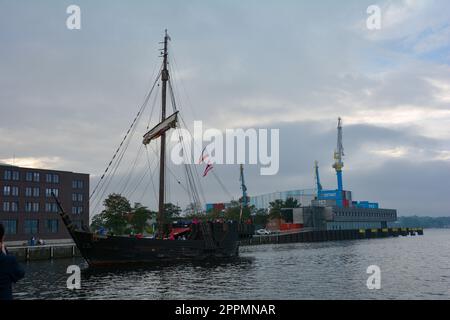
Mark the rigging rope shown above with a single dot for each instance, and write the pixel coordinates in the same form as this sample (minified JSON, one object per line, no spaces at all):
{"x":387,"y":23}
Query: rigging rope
{"x":151,"y":179}
{"x":130,"y":171}
{"x":101,"y":183}
{"x":173,"y":69}
{"x":126,"y":135}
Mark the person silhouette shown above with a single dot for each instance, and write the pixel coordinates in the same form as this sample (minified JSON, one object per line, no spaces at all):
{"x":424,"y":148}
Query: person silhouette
{"x":10,"y":270}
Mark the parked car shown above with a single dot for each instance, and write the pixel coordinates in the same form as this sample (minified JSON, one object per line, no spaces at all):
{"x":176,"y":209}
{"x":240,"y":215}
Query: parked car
{"x":262,"y":232}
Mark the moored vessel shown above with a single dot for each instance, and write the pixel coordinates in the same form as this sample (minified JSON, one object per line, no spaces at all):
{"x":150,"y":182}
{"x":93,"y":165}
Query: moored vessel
{"x":199,"y":240}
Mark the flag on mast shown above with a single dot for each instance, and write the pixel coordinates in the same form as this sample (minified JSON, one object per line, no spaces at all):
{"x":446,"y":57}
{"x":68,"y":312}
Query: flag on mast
{"x":208,"y":168}
{"x":203,"y":158}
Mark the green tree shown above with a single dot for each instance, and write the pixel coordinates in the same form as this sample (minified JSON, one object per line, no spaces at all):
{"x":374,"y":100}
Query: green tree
{"x":97,"y":222}
{"x":275,"y":208}
{"x":233,"y":212}
{"x":114,"y":216}
{"x":140,"y":217}
{"x":172,"y":211}
{"x":291,"y":203}
{"x":277,"y":205}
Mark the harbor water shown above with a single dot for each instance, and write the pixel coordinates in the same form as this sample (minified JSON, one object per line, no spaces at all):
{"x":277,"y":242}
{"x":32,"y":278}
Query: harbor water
{"x":413,"y":267}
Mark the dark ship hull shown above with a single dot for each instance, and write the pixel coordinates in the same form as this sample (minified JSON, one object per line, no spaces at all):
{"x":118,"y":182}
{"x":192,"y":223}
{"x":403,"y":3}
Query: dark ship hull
{"x":204,"y":241}
{"x":101,"y":251}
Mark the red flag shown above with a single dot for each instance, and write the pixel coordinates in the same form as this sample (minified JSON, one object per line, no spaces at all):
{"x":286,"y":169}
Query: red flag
{"x":207,"y":169}
{"x":203,"y":156}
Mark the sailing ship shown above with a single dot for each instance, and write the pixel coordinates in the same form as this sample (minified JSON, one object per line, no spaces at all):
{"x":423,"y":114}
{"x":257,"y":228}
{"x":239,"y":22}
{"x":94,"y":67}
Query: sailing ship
{"x":201,"y":240}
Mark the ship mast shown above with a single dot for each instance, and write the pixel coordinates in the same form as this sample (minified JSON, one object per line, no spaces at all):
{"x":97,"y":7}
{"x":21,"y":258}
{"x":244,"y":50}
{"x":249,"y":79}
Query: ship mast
{"x":162,"y":161}
{"x":159,"y":131}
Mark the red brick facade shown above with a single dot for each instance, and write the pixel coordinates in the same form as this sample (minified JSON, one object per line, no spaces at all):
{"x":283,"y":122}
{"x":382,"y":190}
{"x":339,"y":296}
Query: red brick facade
{"x":27,"y":208}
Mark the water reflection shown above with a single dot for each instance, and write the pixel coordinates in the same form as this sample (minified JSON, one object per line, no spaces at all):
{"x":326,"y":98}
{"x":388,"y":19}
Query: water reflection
{"x":123,"y":270}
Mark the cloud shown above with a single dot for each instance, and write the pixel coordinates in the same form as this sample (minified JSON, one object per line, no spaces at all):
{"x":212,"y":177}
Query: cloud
{"x":69,"y":97}
{"x":397,"y":152}
{"x":39,"y":163}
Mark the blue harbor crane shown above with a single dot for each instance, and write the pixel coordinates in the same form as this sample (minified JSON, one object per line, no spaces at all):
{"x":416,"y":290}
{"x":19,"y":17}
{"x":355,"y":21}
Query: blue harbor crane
{"x":339,"y":164}
{"x":339,"y":197}
{"x":336,"y":195}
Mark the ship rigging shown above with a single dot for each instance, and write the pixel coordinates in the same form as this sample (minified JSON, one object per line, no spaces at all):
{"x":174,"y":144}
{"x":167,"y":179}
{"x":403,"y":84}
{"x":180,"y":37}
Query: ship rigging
{"x":188,"y":179}
{"x":201,"y":240}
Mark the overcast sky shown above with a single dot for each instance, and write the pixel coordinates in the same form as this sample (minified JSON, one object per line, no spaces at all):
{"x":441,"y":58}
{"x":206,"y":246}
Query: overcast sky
{"x":68,"y":96}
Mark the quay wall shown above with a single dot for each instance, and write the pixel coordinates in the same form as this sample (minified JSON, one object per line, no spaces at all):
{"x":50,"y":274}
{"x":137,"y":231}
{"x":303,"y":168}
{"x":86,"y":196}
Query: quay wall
{"x":330,"y":235}
{"x":44,"y":252}
{"x":56,"y":251}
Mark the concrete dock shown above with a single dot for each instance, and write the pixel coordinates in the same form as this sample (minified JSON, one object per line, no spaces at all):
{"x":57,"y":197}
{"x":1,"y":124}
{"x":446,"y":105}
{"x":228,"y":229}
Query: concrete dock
{"x":330,"y":235}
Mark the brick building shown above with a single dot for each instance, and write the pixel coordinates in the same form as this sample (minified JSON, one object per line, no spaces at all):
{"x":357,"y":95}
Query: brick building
{"x":27,"y":208}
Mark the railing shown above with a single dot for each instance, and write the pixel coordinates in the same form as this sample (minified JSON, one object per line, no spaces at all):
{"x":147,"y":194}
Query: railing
{"x":44,"y":252}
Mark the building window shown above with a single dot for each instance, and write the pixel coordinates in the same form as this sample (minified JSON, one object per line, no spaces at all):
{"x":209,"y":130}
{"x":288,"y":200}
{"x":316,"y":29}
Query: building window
{"x":6,"y":207}
{"x":14,"y":206}
{"x":51,"y":207}
{"x":51,"y":178}
{"x":32,"y":192}
{"x":31,"y":226}
{"x":77,"y":210}
{"x":48,"y":192}
{"x":6,"y":190}
{"x":32,"y":176}
{"x":10,"y":191}
{"x":52,"y":226}
{"x":16,"y":175}
{"x":7,"y":175}
{"x":77,"y":184}
{"x":10,"y":226}
{"x":77,"y":197}
{"x":31,"y":206}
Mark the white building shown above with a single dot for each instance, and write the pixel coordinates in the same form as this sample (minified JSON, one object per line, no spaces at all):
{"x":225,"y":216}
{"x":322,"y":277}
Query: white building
{"x":304,"y":197}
